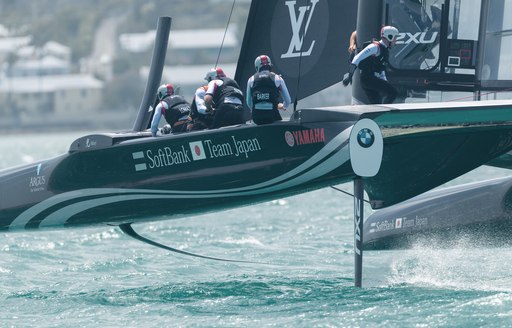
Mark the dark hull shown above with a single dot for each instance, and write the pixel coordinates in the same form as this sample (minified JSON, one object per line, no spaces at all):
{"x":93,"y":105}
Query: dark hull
{"x":104,"y":180}
{"x":477,"y":214}
{"x":131,"y":177}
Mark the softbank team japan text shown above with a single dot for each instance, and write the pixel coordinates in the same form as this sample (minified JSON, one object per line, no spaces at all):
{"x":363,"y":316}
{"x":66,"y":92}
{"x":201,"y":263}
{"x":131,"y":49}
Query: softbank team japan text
{"x":233,"y":148}
{"x":168,"y":156}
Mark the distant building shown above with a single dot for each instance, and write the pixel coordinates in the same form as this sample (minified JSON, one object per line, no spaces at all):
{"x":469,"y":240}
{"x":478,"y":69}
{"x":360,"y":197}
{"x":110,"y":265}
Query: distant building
{"x":188,"y":46}
{"x":48,"y":65}
{"x":58,"y":94}
{"x":51,"y":59}
{"x":9,"y":45}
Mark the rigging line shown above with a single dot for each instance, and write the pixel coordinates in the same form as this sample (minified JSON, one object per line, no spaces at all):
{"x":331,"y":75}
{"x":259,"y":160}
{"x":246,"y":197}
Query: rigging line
{"x":295,"y":101}
{"x":347,"y":193}
{"x":225,"y":32}
{"x":483,"y":94}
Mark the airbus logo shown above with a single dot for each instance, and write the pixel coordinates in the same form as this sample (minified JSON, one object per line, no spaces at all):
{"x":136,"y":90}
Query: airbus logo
{"x":417,"y":38}
{"x":297,"y":22}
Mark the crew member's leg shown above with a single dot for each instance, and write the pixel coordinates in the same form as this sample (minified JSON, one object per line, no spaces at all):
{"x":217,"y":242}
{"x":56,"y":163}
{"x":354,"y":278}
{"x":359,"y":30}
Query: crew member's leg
{"x":375,"y":87}
{"x":369,"y":85}
{"x":260,"y":116}
{"x":390,"y":93}
{"x":228,"y":114}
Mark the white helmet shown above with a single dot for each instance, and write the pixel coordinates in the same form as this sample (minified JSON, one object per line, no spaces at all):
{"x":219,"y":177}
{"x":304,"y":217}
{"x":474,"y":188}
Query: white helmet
{"x":165,"y":90}
{"x":389,"y":33}
{"x":214,"y":73}
{"x":262,"y":61}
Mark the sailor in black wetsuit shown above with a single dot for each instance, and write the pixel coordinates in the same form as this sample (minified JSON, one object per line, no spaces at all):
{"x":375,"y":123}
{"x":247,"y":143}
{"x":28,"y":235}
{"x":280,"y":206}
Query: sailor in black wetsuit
{"x":173,"y":107}
{"x":372,"y":61}
{"x":265,"y":89}
{"x":223,"y":99}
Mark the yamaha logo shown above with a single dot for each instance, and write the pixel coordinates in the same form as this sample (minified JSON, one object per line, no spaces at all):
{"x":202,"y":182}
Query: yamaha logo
{"x":365,"y":138}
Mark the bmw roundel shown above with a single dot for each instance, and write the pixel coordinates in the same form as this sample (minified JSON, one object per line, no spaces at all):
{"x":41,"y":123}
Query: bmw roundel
{"x":365,"y":138}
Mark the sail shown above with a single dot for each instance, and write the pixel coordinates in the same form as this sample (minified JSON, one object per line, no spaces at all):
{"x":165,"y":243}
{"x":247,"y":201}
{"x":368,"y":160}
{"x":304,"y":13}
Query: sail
{"x":307,"y":41}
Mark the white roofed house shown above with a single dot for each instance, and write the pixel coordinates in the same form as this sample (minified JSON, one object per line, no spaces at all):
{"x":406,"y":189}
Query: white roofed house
{"x":55,"y":99}
{"x":187,"y":46}
{"x":9,"y":45}
{"x":202,"y":46}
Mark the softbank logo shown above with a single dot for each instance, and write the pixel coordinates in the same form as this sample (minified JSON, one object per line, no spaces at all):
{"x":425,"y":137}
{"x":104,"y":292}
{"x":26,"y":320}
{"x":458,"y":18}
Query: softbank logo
{"x":296,"y":43}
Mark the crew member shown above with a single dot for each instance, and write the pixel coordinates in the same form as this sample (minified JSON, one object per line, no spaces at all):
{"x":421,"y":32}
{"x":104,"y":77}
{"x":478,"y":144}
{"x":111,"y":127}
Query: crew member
{"x":199,"y":119}
{"x":173,"y":107}
{"x":223,"y":99}
{"x":372,"y":61}
{"x":265,"y":89}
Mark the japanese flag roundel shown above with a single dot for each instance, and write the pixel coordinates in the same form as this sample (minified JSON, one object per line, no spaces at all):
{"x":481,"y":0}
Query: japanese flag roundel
{"x":365,"y":148}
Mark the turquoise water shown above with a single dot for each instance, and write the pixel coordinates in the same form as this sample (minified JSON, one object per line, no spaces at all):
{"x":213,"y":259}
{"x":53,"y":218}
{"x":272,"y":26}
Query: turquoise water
{"x":99,"y":277}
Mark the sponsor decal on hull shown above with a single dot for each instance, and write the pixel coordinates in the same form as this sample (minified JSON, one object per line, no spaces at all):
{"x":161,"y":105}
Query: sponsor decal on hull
{"x":197,"y":150}
{"x":235,"y":147}
{"x":37,"y":182}
{"x":305,"y":137}
{"x":162,"y":157}
{"x":398,"y":223}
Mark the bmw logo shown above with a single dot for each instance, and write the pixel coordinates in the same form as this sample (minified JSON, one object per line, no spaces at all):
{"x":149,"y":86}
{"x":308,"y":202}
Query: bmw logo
{"x":365,"y":138}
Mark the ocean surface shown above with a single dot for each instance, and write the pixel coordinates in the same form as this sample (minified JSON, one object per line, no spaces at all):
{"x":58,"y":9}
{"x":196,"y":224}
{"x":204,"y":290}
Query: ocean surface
{"x":99,"y":277}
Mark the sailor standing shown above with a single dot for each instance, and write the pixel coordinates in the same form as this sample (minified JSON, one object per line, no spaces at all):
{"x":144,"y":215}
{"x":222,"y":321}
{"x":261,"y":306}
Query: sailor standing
{"x":265,"y":89}
{"x":372,"y":61}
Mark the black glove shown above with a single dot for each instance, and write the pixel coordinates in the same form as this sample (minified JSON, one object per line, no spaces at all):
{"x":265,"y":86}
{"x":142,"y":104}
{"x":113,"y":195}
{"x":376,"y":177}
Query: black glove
{"x":347,"y":78}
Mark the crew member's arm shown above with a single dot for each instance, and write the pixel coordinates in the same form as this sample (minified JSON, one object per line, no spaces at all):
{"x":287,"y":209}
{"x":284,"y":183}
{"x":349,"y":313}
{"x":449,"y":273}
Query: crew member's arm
{"x":199,"y":98}
{"x":208,"y":97}
{"x":156,"y":119}
{"x":287,"y":100}
{"x":370,"y":50}
{"x":248,"y":92}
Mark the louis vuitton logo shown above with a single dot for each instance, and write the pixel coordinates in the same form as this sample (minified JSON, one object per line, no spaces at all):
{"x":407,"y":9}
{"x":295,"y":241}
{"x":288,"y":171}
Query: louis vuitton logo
{"x":296,"y":43}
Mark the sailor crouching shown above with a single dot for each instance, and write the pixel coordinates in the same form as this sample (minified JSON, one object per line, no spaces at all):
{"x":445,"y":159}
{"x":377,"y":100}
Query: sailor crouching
{"x":223,"y":99}
{"x":174,"y":108}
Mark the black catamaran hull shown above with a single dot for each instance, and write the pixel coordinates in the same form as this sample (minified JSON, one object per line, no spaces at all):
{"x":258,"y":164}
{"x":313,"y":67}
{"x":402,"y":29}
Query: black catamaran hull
{"x":132,"y":177}
{"x":476,"y":214}
{"x":105,"y":180}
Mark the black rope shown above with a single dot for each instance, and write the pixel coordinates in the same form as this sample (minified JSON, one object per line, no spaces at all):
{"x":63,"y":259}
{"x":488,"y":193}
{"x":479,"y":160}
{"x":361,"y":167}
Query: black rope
{"x":347,"y":193}
{"x":295,"y":101}
{"x":225,"y":32}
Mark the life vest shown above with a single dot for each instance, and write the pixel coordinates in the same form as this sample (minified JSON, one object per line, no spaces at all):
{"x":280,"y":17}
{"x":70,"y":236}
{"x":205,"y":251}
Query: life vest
{"x":264,"y":89}
{"x":229,"y":88}
{"x":377,"y":63}
{"x":177,"y":107}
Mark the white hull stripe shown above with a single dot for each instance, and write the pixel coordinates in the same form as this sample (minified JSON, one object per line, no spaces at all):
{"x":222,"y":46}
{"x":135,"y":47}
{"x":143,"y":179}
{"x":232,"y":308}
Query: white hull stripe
{"x":305,"y":172}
